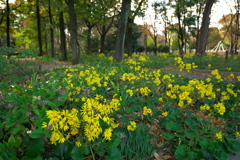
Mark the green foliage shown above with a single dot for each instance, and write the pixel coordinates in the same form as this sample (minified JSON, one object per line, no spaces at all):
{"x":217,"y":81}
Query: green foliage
{"x":146,"y":98}
{"x":136,"y":144}
{"x":21,"y":53}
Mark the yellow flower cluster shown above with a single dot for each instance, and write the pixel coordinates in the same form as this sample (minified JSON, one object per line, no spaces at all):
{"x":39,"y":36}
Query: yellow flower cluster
{"x":130,"y":92}
{"x":146,"y":110}
{"x":132,"y":126}
{"x":93,"y":112}
{"x":238,"y":78}
{"x":101,"y":55}
{"x":182,"y":65}
{"x":220,"y":108}
{"x":142,"y":58}
{"x":205,"y":107}
{"x":237,"y":134}
{"x":144,"y":91}
{"x":63,"y":124}
{"x":217,"y":75}
{"x":129,"y":77}
{"x":165,"y":114}
{"x":219,"y":135}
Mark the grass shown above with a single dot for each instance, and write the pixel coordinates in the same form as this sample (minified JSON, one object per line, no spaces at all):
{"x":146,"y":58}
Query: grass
{"x":187,"y":118}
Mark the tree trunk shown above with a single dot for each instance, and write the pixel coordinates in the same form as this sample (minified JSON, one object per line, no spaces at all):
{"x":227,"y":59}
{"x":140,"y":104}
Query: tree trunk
{"x":62,"y":36}
{"x":129,"y":36}
{"x":103,"y":36}
{"x":119,"y":49}
{"x":73,"y":32}
{"x":51,"y":28}
{"x":8,"y":24}
{"x":89,"y":37}
{"x":39,"y":29}
{"x":46,"y":41}
{"x":202,"y":39}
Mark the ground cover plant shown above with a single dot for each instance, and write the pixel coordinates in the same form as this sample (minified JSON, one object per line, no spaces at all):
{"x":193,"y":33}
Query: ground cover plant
{"x":129,"y":110}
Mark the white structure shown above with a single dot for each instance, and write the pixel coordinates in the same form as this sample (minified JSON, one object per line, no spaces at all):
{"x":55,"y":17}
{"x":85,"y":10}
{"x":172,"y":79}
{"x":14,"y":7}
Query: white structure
{"x":219,"y":47}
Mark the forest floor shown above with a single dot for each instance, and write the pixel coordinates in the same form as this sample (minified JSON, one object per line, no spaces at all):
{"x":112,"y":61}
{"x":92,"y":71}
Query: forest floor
{"x":193,"y":74}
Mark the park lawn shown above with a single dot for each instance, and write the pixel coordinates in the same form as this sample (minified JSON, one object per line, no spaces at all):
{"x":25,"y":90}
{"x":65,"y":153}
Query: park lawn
{"x":129,"y":110}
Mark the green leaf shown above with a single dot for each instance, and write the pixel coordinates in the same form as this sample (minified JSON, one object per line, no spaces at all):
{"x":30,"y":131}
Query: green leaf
{"x":168,"y":136}
{"x":18,"y":142}
{"x":181,"y":152}
{"x":233,"y":145}
{"x":11,"y":141}
{"x":204,"y":142}
{"x":52,"y":104}
{"x":125,"y":119}
{"x":16,"y":129}
{"x":2,"y":147}
{"x":115,"y":143}
{"x":77,"y":153}
{"x":191,"y":155}
{"x":100,"y":151}
{"x":115,"y":153}
{"x":1,"y":134}
{"x":11,"y":122}
{"x":173,"y":127}
{"x":67,"y":150}
{"x":37,"y":133}
{"x":129,"y":110}
{"x":207,"y":154}
{"x":35,"y":148}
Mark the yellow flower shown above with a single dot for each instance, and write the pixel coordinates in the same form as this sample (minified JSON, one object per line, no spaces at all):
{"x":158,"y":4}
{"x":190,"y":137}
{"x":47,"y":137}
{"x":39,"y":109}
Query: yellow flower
{"x":220,"y":108}
{"x":237,"y":134}
{"x":144,"y":91}
{"x":146,"y":110}
{"x":208,"y":80}
{"x":238,"y":78}
{"x":180,"y":103}
{"x":44,"y":125}
{"x":164,"y":114}
{"x":160,"y":99}
{"x":77,"y":143}
{"x":108,"y":134}
{"x":132,"y":126}
{"x":130,"y":92}
{"x":219,"y":135}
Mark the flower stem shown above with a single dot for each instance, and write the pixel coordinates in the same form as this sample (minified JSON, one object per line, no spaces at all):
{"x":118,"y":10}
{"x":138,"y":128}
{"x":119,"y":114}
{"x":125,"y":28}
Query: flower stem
{"x":92,"y":152}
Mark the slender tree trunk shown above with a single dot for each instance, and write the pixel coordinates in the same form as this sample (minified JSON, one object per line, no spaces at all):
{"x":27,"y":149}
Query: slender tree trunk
{"x":51,"y":28}
{"x":73,"y":32}
{"x":201,"y":47}
{"x":129,"y":36}
{"x":62,"y":36}
{"x":46,"y":41}
{"x":180,"y":36}
{"x":39,"y":29}
{"x":89,"y":37}
{"x":8,"y":24}
{"x":119,"y":49}
{"x":198,"y":24}
{"x":103,"y":36}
